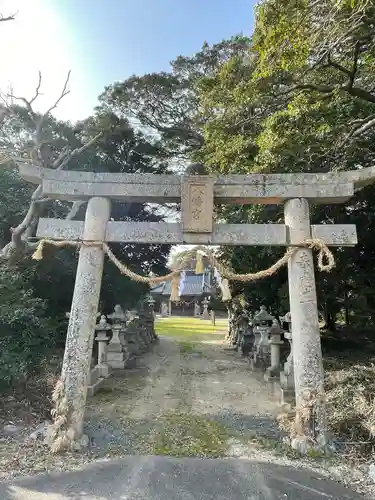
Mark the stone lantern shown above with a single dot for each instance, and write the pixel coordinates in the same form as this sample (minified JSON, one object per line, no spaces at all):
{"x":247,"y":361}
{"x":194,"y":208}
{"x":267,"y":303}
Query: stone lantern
{"x":116,"y":356}
{"x":101,"y":370}
{"x":242,"y":324}
{"x":102,"y":336}
{"x":205,"y":304}
{"x":197,"y":309}
{"x":151,"y":304}
{"x":151,"y":301}
{"x":287,"y":375}
{"x":248,"y":338}
{"x":164,"y":310}
{"x":262,"y":351}
{"x":275,"y":341}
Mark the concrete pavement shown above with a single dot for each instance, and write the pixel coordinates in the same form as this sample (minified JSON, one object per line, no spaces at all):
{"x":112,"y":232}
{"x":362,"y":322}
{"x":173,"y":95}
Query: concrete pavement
{"x":163,"y":478}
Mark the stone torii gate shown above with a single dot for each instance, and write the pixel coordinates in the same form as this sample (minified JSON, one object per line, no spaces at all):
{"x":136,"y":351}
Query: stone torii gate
{"x":198,"y":195}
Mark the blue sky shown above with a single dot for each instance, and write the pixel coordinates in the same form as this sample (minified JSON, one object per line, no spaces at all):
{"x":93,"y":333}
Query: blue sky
{"x":102,"y":41}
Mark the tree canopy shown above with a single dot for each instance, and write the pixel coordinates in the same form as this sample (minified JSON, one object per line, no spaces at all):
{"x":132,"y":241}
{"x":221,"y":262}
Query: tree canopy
{"x":301,"y":100}
{"x":296,"y":96}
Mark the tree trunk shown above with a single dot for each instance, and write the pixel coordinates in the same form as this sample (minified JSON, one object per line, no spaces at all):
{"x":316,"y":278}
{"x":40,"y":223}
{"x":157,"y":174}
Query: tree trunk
{"x":347,"y":312}
{"x":331,"y":322}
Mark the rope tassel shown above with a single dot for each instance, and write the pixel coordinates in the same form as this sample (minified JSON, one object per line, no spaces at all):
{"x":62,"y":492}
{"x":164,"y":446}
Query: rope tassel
{"x":199,"y":267}
{"x":38,"y":254}
{"x":175,"y":288}
{"x":225,"y":290}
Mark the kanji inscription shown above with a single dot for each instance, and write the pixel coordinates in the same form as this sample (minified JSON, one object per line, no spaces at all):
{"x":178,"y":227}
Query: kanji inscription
{"x":197,"y":203}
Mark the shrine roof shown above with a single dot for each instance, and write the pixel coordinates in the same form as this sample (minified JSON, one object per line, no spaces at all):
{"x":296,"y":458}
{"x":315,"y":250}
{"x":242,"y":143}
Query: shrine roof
{"x":193,"y":285}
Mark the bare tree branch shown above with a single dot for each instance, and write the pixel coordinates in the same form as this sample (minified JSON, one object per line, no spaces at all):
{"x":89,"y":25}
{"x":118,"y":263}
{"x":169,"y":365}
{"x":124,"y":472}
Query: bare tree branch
{"x":328,"y":89}
{"x":8,"y":18}
{"x":76,"y":152}
{"x":37,"y":91}
{"x":39,"y":120}
{"x":369,"y":124}
{"x":74,"y":210}
{"x":338,"y":66}
{"x":323,"y":89}
{"x":65,"y":91}
{"x":361,"y":93}
{"x":24,"y":230}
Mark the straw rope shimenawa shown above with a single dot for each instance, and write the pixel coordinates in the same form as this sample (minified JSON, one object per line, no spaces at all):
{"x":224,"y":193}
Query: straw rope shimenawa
{"x":326,"y":262}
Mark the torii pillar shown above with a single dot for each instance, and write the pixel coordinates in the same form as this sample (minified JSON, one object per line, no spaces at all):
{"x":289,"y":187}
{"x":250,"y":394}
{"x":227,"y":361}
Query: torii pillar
{"x":307,"y":350}
{"x":82,"y":317}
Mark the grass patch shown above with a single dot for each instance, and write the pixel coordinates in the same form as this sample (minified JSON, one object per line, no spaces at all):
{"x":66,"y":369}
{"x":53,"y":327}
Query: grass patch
{"x":186,"y":327}
{"x":186,"y":435}
{"x":351,"y":409}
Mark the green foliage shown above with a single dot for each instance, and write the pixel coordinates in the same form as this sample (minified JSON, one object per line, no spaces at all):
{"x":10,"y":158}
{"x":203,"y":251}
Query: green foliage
{"x":301,"y":100}
{"x":27,"y":334}
{"x":36,"y":296}
{"x":279,"y":41}
{"x":15,"y":196}
{"x":165,"y":104}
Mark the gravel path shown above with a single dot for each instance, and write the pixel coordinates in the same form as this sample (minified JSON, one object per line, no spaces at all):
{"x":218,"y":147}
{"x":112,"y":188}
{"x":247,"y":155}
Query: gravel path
{"x":184,"y":399}
{"x":206,"y":382}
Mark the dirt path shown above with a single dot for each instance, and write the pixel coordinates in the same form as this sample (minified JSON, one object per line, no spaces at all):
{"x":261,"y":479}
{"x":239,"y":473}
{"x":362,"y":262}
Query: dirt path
{"x":182,"y":392}
{"x":203,"y":379}
{"x":186,"y":398}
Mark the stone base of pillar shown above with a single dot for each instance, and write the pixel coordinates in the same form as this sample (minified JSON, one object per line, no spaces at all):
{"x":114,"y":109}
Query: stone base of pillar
{"x":95,"y":381}
{"x":105,"y":370}
{"x":133,"y":345}
{"x":206,"y":316}
{"x":260,"y":361}
{"x":305,"y":446}
{"x":116,"y":359}
{"x":272,"y":373}
{"x":287,"y":396}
